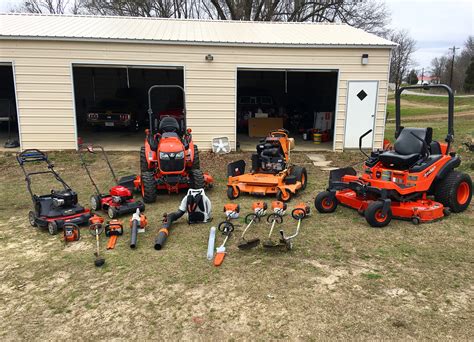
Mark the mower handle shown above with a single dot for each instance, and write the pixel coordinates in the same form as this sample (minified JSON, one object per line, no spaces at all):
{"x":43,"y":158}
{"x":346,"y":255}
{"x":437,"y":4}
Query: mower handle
{"x":360,"y":142}
{"x":450,"y":135}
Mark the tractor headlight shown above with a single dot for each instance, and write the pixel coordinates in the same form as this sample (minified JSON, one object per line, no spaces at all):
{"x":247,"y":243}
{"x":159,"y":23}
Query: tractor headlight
{"x":179,"y":155}
{"x":164,"y":156}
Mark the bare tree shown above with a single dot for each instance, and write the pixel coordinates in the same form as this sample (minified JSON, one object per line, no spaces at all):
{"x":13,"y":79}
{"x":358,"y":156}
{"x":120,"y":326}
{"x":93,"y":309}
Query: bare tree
{"x":49,"y":6}
{"x":401,"y":55}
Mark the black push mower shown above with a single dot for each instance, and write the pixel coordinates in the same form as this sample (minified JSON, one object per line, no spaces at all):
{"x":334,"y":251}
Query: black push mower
{"x":58,"y":207}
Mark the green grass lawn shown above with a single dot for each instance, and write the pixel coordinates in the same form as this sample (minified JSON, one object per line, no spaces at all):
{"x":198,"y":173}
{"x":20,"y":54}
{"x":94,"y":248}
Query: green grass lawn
{"x":413,"y":105}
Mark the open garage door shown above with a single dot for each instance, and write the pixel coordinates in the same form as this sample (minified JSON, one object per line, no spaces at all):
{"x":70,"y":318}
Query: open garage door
{"x":302,"y":101}
{"x":111,"y":102}
{"x":9,"y":137}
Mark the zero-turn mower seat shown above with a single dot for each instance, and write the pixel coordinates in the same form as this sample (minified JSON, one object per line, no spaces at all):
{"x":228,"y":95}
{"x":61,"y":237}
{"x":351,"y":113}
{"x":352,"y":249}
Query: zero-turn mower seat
{"x":407,"y":149}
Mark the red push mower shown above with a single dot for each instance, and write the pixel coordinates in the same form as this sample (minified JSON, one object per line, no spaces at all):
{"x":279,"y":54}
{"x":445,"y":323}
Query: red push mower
{"x":416,"y":181}
{"x":59,"y":207}
{"x":170,"y":159}
{"x":119,"y":199}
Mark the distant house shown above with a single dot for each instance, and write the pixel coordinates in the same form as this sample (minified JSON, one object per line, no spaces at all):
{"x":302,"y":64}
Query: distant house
{"x":425,"y":80}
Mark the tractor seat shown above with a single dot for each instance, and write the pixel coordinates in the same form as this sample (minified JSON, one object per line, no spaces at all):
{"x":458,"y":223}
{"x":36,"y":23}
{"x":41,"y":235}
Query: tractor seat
{"x":407,"y":149}
{"x":169,"y":124}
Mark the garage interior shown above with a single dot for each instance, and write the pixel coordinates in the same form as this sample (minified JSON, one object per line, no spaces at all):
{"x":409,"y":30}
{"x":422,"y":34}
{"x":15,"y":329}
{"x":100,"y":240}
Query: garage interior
{"x":302,"y":101}
{"x":112,"y":101}
{"x":9,"y":138}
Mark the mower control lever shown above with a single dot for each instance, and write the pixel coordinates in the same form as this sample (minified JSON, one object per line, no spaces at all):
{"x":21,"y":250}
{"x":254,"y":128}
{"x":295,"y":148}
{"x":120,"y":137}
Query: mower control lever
{"x":425,"y":145}
{"x":360,"y":142}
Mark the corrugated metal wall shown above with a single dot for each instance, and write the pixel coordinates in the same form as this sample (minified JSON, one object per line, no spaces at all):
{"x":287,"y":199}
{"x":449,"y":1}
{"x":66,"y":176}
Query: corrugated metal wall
{"x":45,"y":92}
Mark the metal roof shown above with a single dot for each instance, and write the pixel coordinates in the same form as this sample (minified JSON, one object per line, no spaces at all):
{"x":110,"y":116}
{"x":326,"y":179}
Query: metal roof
{"x":184,"y":31}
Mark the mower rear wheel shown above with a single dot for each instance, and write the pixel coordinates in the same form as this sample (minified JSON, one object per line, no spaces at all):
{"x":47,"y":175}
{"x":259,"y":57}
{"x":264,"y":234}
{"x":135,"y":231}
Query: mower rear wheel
{"x":455,"y":191}
{"x":325,"y":202}
{"x":52,"y":227}
{"x":301,"y":175}
{"x":231,"y":194}
{"x":196,"y":161}
{"x":148,"y":187}
{"x":283,"y":196}
{"x":32,"y":219}
{"x":196,"y":179}
{"x":95,"y":202}
{"x":373,"y":215}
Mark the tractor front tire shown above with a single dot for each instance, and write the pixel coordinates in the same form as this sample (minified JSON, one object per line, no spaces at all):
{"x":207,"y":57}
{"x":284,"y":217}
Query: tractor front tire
{"x":148,"y":187}
{"x":374,"y":217}
{"x":196,"y":179}
{"x":143,"y":160}
{"x":324,"y":203}
{"x":301,"y":176}
{"x":454,"y":191}
{"x":196,"y":161}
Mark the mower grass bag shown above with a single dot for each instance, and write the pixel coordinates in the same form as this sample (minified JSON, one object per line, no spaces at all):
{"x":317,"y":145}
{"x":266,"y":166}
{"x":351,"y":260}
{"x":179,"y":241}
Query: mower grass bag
{"x":272,"y":172}
{"x":415,"y":181}
{"x":58,"y":207}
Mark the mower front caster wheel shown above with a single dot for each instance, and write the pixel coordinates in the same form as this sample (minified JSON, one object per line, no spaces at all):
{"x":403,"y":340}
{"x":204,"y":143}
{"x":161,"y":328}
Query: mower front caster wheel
{"x":233,"y":193}
{"x":32,"y":219}
{"x":325,"y":202}
{"x":112,"y":212}
{"x":283,"y":196}
{"x":374,"y":216}
{"x":52,"y":228}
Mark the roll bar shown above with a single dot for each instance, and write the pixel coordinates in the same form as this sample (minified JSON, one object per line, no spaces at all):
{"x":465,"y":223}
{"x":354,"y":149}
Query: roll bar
{"x":165,"y":86}
{"x":450,"y":135}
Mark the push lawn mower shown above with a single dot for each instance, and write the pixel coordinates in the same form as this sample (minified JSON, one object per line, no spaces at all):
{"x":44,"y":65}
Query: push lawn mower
{"x":170,"y":159}
{"x":119,"y":200}
{"x":58,"y":207}
{"x":399,"y":183}
{"x":272,"y":171}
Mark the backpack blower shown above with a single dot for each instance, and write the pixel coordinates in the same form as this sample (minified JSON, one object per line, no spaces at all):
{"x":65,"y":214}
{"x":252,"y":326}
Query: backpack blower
{"x":198,"y":208}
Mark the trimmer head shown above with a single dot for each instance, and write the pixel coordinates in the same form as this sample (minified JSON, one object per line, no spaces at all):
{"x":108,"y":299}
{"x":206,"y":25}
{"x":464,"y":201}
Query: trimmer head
{"x":248,"y":244}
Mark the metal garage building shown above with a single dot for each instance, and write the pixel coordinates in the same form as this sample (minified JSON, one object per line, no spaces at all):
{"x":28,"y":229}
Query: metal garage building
{"x":49,"y":55}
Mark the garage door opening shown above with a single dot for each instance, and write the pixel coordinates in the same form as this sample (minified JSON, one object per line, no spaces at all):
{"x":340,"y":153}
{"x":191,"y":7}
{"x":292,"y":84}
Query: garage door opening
{"x":9,"y":137}
{"x":301,"y":101}
{"x":112,"y":102}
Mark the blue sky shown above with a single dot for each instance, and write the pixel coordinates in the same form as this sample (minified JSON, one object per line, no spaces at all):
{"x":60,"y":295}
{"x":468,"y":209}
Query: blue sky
{"x":436,"y":25}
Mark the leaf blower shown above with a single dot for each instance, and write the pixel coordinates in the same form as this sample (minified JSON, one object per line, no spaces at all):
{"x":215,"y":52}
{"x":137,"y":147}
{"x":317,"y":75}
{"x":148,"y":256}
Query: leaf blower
{"x":138,"y":221}
{"x":195,"y":204}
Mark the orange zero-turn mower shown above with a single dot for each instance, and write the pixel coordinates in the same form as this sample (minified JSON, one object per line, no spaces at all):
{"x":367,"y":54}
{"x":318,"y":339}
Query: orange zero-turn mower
{"x":415,"y":181}
{"x":272,"y":172}
{"x":169,"y":159}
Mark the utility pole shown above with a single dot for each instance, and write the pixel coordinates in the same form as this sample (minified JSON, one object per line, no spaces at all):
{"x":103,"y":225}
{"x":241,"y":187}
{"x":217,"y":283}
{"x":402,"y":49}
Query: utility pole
{"x":422,"y":74}
{"x":454,"y":48}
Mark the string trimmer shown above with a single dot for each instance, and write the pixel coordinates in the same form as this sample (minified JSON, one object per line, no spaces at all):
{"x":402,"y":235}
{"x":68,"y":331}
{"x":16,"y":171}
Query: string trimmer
{"x":300,"y":212}
{"x":96,"y":229}
{"x":259,"y":210}
{"x":279,"y":209}
{"x":226,"y":230}
{"x":231,"y":211}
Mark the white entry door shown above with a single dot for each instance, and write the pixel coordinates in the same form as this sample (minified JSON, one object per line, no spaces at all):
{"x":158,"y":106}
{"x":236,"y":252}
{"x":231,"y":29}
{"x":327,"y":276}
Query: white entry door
{"x":360,"y":114}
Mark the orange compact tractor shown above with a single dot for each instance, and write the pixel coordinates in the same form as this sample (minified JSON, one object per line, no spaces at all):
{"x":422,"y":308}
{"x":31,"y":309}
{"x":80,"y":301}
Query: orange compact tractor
{"x":272,"y":172}
{"x":416,"y":180}
{"x":170,"y":159}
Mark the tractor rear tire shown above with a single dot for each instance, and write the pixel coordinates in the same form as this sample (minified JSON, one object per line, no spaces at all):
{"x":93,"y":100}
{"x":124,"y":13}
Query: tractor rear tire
{"x":454,"y":191}
{"x":196,"y":179}
{"x":196,"y":161}
{"x":301,"y":176}
{"x":324,"y":204}
{"x":373,"y":215}
{"x":143,"y":160}
{"x":148,"y":187}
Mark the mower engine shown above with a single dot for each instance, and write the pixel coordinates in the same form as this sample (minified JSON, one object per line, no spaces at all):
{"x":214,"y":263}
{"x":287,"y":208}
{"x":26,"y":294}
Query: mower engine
{"x":279,"y":207}
{"x":269,"y":157}
{"x":64,"y":198}
{"x":120,"y":194}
